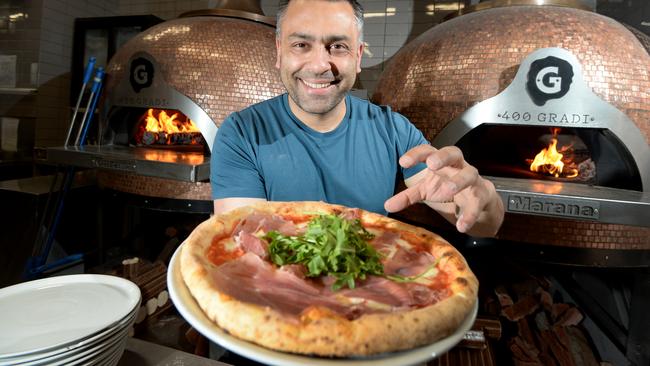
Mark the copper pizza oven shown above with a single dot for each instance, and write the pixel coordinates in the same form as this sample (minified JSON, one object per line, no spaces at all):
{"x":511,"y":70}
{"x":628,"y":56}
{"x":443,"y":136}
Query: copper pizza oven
{"x":167,"y":91}
{"x":551,"y":103}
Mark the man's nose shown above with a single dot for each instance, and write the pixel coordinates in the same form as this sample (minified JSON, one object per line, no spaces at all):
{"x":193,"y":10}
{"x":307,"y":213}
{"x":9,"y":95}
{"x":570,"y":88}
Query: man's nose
{"x":320,"y":61}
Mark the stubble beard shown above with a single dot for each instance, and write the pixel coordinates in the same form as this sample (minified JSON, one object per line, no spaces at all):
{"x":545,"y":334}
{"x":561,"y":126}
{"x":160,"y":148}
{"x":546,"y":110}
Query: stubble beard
{"x":314,"y":104}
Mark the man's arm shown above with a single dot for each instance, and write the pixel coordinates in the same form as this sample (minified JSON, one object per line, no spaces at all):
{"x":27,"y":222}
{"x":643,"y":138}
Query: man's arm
{"x":226,"y":204}
{"x":234,"y":177}
{"x":452,"y":187}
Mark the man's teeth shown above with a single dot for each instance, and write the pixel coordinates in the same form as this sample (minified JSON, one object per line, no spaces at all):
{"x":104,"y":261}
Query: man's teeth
{"x":316,"y":86}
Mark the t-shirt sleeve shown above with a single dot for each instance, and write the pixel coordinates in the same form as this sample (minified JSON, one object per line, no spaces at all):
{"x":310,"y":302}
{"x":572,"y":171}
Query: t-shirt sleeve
{"x":233,"y":168}
{"x":408,"y":137}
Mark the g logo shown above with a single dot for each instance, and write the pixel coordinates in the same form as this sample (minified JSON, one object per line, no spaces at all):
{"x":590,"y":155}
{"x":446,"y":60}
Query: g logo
{"x":141,"y":75}
{"x":554,"y":81}
{"x":549,"y":78}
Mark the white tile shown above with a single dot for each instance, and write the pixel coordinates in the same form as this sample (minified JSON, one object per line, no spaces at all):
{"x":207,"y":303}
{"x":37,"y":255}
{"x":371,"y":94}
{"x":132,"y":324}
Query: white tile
{"x":376,"y":18}
{"x":395,"y":41}
{"x":374,"y":40}
{"x":398,"y":28}
{"x":372,"y":61}
{"x":402,"y":5}
{"x":373,"y":51}
{"x":374,"y":6}
{"x":390,"y":51}
{"x":51,"y":49}
{"x":401,"y":17}
{"x":374,"y":29}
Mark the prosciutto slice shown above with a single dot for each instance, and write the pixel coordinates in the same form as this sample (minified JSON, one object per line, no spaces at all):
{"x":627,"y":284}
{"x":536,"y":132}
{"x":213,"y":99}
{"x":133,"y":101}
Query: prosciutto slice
{"x":250,"y":279}
{"x":408,"y":263}
{"x":251,"y":243}
{"x":381,"y":290}
{"x":266,"y":222}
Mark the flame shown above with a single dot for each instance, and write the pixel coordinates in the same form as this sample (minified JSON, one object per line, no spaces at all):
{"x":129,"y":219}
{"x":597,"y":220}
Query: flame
{"x":171,"y":157}
{"x":168,"y":124}
{"x":167,"y":127}
{"x":554,"y":188}
{"x":551,"y":161}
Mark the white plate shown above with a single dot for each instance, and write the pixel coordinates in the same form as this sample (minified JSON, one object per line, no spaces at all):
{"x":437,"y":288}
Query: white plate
{"x":95,"y":349}
{"x":99,"y":351}
{"x":191,"y":311}
{"x":72,"y":348}
{"x":41,"y":315}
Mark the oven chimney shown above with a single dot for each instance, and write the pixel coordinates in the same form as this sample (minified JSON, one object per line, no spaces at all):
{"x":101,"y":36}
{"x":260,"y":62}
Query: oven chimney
{"x":251,"y":6}
{"x":242,"y":9}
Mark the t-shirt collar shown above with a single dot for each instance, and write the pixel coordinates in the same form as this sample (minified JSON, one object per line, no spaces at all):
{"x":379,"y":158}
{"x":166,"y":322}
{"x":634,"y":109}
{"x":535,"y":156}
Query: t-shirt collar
{"x":339,"y":129}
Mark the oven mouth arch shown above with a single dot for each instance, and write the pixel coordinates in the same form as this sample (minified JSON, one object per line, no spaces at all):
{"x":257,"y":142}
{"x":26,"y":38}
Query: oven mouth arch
{"x":525,"y":103}
{"x":507,"y":151}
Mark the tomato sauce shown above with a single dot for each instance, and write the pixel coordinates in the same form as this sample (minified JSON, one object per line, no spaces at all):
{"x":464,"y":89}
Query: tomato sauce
{"x":219,"y":254}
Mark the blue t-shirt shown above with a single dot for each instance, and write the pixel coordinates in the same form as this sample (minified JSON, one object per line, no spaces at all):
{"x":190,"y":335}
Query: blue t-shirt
{"x":264,"y":151}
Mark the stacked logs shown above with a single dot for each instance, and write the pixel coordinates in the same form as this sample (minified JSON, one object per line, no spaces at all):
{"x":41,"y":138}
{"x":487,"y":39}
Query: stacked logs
{"x":547,"y":332}
{"x":151,"y":278}
{"x":177,"y":138}
{"x":476,"y":347}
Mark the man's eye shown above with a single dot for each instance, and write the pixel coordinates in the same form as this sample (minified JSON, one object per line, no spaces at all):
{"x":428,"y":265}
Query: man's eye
{"x":338,"y":48}
{"x":299,"y":45}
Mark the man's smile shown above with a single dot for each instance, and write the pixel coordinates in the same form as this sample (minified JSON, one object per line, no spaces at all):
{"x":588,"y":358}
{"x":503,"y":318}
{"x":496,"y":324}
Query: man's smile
{"x":319,"y":85}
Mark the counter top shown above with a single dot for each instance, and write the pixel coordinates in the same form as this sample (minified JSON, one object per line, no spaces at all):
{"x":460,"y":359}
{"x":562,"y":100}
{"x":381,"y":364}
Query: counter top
{"x":143,"y":353}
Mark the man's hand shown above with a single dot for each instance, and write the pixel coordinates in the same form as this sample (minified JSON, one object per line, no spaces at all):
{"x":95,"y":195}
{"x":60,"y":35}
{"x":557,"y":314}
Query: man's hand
{"x":453,"y":188}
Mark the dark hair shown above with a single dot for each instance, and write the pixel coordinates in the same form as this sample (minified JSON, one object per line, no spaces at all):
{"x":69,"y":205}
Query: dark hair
{"x":358,"y":15}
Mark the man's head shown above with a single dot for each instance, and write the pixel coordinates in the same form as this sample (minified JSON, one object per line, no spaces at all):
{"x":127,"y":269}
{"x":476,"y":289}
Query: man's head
{"x":358,"y":16}
{"x":319,"y":52}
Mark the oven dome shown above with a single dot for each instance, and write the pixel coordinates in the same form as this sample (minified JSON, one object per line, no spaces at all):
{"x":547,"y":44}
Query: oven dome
{"x":473,"y":57}
{"x":222,"y":59}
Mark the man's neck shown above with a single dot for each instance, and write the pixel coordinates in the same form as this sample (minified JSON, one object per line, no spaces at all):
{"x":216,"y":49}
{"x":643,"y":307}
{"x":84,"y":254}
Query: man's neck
{"x":325,"y":122}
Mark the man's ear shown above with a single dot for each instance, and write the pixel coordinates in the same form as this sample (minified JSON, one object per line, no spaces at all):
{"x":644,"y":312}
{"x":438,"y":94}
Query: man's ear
{"x":359,"y":55}
{"x":277,"y":52}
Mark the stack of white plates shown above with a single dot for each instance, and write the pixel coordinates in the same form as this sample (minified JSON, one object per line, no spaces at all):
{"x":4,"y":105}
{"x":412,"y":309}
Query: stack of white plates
{"x":67,"y":320}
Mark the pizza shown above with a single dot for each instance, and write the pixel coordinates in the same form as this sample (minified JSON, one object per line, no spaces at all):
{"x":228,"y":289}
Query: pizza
{"x":320,"y":279}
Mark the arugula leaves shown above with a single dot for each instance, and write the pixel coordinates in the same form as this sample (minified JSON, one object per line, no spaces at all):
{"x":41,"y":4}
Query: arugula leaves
{"x":331,"y":245}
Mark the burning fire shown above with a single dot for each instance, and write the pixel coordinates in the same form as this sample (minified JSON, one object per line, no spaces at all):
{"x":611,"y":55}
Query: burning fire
{"x":168,"y":157}
{"x":168,"y":124}
{"x":163,"y":127}
{"x":551,"y":161}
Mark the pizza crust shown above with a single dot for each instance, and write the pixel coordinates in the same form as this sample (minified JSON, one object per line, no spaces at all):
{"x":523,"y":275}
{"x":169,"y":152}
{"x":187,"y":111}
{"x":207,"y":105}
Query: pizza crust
{"x":320,"y":331}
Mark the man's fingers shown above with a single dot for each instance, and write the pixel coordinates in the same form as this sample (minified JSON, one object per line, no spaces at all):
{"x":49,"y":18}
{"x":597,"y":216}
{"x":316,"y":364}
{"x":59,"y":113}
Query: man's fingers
{"x":434,"y":158}
{"x":471,"y":203}
{"x":431,"y":187}
{"x":466,"y":177}
{"x":416,"y":155}
{"x":403,"y":199}
{"x":447,"y":156}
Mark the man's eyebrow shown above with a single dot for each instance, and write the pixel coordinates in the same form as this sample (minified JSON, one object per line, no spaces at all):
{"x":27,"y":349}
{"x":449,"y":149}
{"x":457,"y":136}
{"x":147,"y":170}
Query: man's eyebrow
{"x":328,"y":39}
{"x":304,"y":36}
{"x":336,"y":38}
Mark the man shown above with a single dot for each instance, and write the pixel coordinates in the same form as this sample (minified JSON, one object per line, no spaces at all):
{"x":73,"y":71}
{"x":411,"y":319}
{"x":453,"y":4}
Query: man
{"x":318,"y":143}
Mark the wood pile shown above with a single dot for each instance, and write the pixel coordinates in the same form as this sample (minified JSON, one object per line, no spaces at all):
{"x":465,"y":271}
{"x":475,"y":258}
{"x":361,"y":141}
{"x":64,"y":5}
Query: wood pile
{"x":151,"y":278}
{"x":476,"y":347}
{"x":546,"y":332}
{"x":176,"y":138}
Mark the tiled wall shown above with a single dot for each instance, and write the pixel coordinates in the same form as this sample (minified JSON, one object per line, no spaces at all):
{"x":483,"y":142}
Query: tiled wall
{"x":389,"y":24}
{"x":19,"y":44}
{"x":55,"y":58}
{"x":41,"y":40}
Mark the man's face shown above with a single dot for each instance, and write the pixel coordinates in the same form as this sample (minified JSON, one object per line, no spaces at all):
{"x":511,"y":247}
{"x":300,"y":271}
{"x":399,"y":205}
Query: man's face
{"x":318,"y":53}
